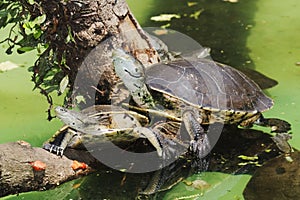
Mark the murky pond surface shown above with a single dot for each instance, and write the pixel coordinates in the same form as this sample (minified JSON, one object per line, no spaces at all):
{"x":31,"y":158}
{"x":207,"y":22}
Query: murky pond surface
{"x":257,"y":34}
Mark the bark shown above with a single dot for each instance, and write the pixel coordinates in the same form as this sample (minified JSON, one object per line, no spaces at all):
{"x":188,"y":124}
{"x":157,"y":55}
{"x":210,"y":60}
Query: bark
{"x":18,"y":175}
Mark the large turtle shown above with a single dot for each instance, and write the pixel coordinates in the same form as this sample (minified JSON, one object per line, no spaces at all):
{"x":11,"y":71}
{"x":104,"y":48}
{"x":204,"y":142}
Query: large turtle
{"x":199,"y":92}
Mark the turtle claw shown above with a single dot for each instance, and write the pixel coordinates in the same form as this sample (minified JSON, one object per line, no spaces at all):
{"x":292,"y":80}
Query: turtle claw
{"x":201,"y":146}
{"x":52,"y":148}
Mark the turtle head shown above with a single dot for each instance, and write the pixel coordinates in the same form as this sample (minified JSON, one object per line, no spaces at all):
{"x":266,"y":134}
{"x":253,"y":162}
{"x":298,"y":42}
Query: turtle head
{"x":127,"y":67}
{"x":71,"y":118}
{"x":132,"y":73}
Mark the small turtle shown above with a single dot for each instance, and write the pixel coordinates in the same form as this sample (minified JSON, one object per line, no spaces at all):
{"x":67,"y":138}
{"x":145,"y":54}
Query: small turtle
{"x":108,"y":123}
{"x":102,"y":123}
{"x":198,"y":91}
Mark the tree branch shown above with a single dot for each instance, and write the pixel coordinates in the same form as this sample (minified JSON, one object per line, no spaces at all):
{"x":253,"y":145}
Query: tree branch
{"x":19,"y":174}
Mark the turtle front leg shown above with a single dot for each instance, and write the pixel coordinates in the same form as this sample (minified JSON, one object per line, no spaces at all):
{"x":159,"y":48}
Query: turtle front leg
{"x":151,"y":136}
{"x":199,"y":143}
{"x":61,"y":139}
{"x":166,"y":148}
{"x":277,"y":125}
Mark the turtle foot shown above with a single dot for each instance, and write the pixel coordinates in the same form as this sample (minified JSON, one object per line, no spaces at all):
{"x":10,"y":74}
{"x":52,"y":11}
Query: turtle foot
{"x":200,"y":146}
{"x":52,"y":148}
{"x":277,"y":125}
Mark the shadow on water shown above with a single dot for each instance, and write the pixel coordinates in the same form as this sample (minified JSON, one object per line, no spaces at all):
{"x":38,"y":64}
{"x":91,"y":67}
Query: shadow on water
{"x":111,"y":184}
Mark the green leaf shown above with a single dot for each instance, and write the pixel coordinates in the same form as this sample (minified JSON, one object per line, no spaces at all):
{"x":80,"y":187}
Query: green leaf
{"x":80,"y":99}
{"x":3,"y":22}
{"x":39,"y":20}
{"x":31,"y":69}
{"x":27,"y":27}
{"x":37,"y":34}
{"x":70,"y":36}
{"x":63,"y":84}
{"x":3,"y":13}
{"x":31,"y":2}
{"x":24,"y":49}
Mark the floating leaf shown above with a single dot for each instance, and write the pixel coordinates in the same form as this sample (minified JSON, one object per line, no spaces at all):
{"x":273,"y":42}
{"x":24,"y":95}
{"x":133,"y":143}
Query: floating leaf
{"x":197,"y":184}
{"x":249,"y":163}
{"x":231,"y":1}
{"x":191,"y":3}
{"x":252,"y":158}
{"x":196,"y":14}
{"x":200,"y":184}
{"x":165,"y":17}
{"x":166,"y":25}
{"x":7,"y":65}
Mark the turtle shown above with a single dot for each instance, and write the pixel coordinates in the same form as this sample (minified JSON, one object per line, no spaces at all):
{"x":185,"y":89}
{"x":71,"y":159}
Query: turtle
{"x":102,"y":123}
{"x":199,"y":92}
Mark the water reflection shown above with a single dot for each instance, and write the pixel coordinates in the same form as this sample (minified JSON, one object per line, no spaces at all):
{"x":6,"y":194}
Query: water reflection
{"x":225,"y":157}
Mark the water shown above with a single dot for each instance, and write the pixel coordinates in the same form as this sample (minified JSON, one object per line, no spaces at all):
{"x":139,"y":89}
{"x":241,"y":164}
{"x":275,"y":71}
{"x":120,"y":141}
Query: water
{"x":257,"y":34}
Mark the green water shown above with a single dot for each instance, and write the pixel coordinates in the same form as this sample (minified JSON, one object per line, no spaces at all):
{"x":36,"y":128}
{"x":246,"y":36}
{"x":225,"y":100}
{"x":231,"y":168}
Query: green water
{"x":22,"y":111}
{"x":258,"y":34}
{"x":275,"y":48}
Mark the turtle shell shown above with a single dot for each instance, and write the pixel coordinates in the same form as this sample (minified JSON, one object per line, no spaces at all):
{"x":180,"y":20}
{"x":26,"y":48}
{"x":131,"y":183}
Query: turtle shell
{"x":209,"y":85}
